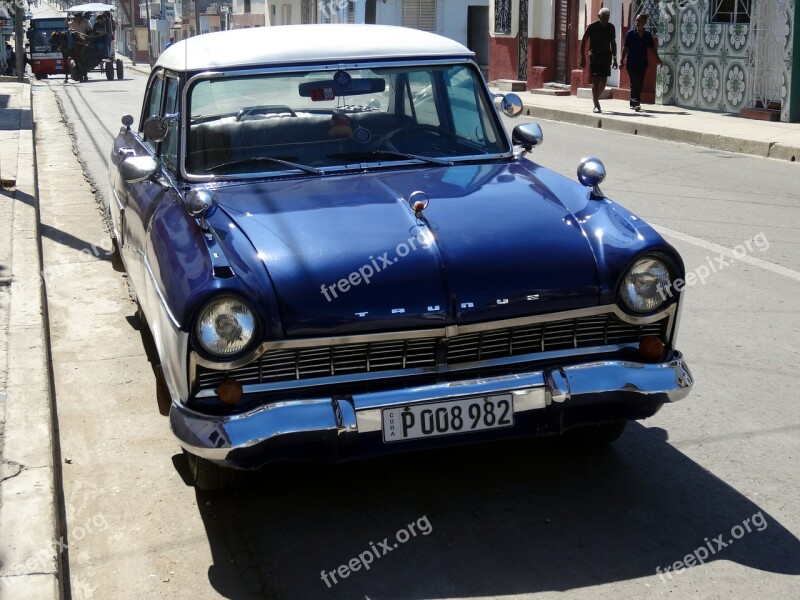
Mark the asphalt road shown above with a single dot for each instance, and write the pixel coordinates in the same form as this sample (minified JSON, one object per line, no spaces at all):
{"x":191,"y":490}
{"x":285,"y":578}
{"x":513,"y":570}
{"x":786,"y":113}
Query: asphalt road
{"x":533,"y":519}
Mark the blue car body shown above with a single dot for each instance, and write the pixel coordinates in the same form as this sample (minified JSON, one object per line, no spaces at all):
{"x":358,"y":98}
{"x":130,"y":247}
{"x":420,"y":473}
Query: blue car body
{"x":504,"y":284}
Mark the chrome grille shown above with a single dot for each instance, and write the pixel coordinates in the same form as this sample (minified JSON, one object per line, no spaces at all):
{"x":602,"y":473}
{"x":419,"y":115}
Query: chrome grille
{"x":394,"y":355}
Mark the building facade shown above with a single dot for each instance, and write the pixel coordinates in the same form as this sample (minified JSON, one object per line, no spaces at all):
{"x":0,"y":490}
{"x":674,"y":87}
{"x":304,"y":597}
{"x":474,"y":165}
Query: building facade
{"x":730,"y":56}
{"x":721,"y":55}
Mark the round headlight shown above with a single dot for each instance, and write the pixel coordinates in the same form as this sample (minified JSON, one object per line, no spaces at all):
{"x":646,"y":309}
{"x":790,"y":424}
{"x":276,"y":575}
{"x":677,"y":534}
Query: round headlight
{"x":226,"y":326}
{"x":646,"y":287}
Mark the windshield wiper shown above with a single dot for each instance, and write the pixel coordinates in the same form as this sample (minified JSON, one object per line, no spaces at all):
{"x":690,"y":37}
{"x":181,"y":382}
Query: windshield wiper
{"x":389,"y":154}
{"x":279,"y":161}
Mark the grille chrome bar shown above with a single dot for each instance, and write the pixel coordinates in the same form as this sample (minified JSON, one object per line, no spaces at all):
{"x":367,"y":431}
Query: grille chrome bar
{"x":397,"y":355}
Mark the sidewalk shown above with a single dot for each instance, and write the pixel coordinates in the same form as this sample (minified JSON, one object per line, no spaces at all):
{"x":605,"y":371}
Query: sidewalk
{"x":719,"y":131}
{"x":29,"y":560}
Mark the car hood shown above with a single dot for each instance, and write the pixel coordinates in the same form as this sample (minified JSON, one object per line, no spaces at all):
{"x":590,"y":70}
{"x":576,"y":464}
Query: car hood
{"x":346,"y":253}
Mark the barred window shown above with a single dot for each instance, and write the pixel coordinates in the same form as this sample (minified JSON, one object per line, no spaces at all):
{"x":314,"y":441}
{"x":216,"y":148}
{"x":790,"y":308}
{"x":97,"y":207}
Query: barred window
{"x":420,"y":14}
{"x":502,"y":16}
{"x":337,"y":11}
{"x":731,"y":11}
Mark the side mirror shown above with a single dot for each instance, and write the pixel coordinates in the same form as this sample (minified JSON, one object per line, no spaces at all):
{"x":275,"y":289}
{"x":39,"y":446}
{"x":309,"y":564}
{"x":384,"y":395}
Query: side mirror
{"x":137,"y":168}
{"x":591,"y":173}
{"x":127,"y":121}
{"x":155,"y":128}
{"x":527,"y":135}
{"x":510,"y":104}
{"x":201,"y":204}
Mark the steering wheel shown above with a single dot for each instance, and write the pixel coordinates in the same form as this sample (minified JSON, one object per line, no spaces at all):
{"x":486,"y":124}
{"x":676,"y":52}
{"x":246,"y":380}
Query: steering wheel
{"x":405,"y":137}
{"x":268,"y":109}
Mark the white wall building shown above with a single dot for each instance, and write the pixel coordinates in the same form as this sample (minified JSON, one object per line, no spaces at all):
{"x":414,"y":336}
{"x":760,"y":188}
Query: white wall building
{"x":466,"y":21}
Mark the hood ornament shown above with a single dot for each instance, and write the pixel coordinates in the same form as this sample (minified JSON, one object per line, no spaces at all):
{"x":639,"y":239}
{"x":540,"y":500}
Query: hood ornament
{"x":419,"y":201}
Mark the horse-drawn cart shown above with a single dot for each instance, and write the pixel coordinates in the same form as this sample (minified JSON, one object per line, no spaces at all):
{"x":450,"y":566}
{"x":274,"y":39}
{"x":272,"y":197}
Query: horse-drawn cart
{"x":99,"y":54}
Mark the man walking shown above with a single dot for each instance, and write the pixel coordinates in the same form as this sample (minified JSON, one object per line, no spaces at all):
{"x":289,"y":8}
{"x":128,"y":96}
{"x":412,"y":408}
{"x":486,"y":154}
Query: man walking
{"x":602,"y":37}
{"x":637,"y":42}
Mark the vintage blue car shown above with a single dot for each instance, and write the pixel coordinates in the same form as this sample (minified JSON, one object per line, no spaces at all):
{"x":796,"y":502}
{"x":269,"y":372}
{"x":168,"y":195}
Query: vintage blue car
{"x":340,"y":252}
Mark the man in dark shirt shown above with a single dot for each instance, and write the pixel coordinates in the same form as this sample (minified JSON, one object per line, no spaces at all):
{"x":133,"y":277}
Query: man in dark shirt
{"x":637,"y":42}
{"x":602,"y":37}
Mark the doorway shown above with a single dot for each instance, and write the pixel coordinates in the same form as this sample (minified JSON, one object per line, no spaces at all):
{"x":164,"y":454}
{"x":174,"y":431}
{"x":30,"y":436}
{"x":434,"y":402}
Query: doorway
{"x":563,"y":37}
{"x":478,"y":35}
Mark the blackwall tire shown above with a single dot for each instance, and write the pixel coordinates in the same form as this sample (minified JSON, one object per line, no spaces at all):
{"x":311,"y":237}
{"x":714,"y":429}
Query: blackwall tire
{"x":596,"y":436}
{"x":208,"y":476}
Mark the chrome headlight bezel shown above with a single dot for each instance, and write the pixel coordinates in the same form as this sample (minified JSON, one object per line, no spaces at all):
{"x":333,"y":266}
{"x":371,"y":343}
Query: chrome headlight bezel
{"x":225,"y":312}
{"x":647,"y":285}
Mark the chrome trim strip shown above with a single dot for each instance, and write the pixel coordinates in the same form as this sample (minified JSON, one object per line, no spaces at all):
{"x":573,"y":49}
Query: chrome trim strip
{"x":292,"y":384}
{"x":446,"y":332}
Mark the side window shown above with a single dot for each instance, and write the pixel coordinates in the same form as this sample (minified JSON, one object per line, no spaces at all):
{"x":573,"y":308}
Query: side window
{"x":169,"y":147}
{"x":464,"y":98}
{"x":461,"y":91}
{"x":153,"y":106}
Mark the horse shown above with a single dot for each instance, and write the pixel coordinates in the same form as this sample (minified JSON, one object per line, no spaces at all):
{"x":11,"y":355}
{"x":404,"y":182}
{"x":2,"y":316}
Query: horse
{"x":72,"y":45}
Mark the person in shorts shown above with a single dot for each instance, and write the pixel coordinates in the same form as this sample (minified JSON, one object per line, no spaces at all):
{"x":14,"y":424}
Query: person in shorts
{"x":602,"y":38}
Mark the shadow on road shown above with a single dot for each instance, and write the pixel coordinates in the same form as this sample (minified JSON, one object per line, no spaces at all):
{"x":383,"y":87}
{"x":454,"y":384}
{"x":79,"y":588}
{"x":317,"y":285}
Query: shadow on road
{"x":506,"y":518}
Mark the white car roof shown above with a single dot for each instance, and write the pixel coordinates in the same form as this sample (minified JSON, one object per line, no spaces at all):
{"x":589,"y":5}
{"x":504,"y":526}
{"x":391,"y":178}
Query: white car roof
{"x":293,"y":44}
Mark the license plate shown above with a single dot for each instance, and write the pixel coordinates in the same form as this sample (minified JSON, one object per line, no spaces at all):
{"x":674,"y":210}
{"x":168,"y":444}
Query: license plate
{"x":447,"y":418}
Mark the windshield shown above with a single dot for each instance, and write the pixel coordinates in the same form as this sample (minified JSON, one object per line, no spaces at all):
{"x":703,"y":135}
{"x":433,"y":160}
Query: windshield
{"x":327,"y":119}
{"x":40,"y":31}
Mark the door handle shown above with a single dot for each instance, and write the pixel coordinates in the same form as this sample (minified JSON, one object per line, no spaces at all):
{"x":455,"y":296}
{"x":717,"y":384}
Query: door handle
{"x":125,"y":152}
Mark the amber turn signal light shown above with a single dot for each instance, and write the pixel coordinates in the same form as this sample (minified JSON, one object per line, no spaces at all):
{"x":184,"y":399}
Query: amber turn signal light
{"x":651,"y":348}
{"x":230,"y":391}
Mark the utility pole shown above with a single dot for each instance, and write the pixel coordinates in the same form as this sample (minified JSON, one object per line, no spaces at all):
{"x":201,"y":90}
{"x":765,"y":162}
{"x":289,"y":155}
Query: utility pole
{"x":134,"y":43}
{"x":149,"y":41}
{"x":19,"y":43}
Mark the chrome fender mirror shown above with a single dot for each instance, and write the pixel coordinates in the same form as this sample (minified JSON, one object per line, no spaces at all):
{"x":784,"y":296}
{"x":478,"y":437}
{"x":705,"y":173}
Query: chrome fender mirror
{"x":127,"y":121}
{"x":155,"y":128}
{"x":591,"y":173}
{"x":201,"y":204}
{"x":137,"y":168}
{"x":527,"y":135}
{"x":510,"y":104}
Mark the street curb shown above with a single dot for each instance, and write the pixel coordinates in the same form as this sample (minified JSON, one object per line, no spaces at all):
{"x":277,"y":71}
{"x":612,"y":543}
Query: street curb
{"x":29,"y":559}
{"x":670,"y":134}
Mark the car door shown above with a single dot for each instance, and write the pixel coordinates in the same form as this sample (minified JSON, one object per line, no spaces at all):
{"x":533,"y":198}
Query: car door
{"x":141,"y":199}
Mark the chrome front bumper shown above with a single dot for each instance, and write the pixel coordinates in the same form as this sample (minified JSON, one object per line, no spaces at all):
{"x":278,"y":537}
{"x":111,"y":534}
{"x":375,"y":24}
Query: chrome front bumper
{"x":322,"y":426}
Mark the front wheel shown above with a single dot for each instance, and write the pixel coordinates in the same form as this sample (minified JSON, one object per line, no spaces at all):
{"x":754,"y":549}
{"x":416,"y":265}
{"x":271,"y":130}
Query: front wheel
{"x":209,"y":476}
{"x":120,"y":69}
{"x":116,"y":256}
{"x":109,"y":70}
{"x":594,"y":436}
